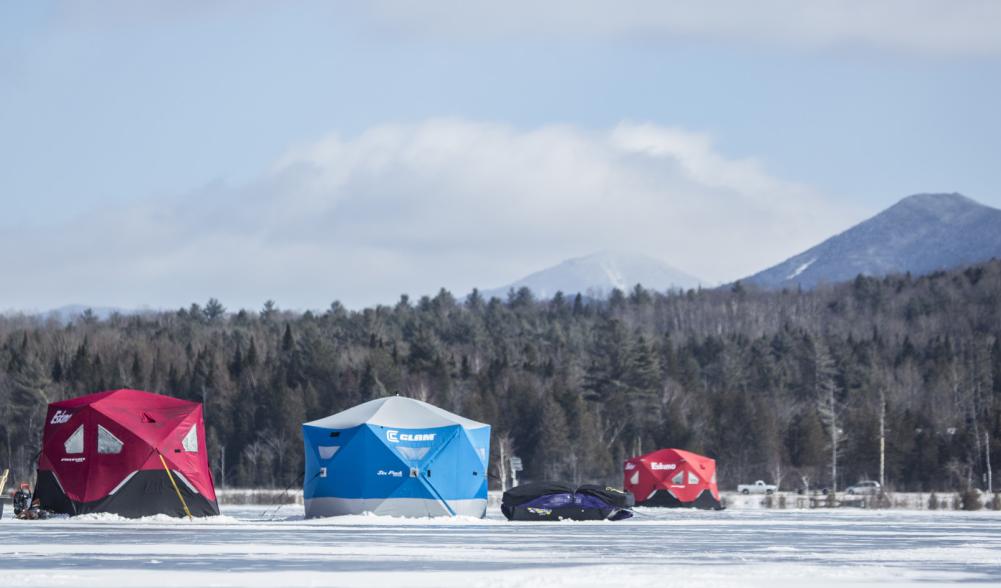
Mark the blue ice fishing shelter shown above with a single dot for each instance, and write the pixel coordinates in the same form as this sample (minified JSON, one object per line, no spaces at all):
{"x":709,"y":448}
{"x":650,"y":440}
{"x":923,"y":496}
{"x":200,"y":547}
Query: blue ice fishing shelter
{"x":396,"y":456}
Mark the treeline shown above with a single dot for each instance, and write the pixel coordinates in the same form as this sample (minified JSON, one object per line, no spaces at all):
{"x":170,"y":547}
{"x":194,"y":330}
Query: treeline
{"x":765,"y":382}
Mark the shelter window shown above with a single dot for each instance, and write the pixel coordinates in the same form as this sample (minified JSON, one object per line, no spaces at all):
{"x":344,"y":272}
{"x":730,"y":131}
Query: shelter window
{"x":75,"y":442}
{"x":413,"y":453}
{"x":106,"y":442}
{"x":692,"y":478}
{"x":327,"y":451}
{"x":190,"y":441}
{"x":678,"y":478}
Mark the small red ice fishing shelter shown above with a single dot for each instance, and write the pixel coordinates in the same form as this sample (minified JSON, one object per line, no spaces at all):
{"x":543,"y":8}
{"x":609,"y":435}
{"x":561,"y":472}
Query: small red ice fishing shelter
{"x":673,"y":478}
{"x":110,"y":452}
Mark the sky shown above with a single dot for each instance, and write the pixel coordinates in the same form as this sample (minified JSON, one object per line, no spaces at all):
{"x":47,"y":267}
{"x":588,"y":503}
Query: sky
{"x":158,"y":153}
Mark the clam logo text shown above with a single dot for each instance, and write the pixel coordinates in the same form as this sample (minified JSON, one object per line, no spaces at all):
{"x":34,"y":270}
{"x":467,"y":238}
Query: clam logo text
{"x":60,"y":417}
{"x":394,"y":436}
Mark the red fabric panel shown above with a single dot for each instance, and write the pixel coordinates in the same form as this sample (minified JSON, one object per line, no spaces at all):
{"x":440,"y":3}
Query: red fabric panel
{"x":654,"y":471}
{"x":91,"y":475}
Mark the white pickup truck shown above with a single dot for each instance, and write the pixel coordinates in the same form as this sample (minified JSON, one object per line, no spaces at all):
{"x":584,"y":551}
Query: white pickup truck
{"x":758,"y":487}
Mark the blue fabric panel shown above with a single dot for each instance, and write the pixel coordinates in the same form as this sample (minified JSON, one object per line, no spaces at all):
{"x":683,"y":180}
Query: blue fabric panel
{"x":363,"y":468}
{"x":375,"y":461}
{"x":426,"y":441}
{"x":480,"y":440}
{"x":457,"y":471}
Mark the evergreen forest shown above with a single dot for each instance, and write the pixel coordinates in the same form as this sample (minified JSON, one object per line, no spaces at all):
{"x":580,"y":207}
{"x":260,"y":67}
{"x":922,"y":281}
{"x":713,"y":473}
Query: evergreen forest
{"x":774,"y":385}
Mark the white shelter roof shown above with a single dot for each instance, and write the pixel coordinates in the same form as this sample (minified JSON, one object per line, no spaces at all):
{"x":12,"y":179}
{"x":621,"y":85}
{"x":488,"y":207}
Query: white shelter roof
{"x":395,"y":411}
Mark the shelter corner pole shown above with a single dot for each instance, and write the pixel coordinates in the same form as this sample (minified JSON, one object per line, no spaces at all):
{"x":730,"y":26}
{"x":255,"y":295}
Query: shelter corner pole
{"x":173,"y":483}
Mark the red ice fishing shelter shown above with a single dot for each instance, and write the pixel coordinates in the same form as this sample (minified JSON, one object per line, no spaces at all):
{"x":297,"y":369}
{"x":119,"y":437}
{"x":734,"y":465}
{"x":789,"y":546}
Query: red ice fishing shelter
{"x":110,"y":452}
{"x":673,"y":478}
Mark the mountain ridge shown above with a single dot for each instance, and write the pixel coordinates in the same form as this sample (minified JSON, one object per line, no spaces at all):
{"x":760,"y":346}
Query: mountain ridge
{"x":919,"y":234}
{"x":598,"y":274}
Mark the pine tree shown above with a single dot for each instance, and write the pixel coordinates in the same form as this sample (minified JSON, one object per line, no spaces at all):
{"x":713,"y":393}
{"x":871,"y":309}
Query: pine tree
{"x":269,"y":311}
{"x":554,"y":441}
{"x":214,"y":310}
{"x":610,"y":361}
{"x":371,"y":387}
{"x":137,"y":377}
{"x":251,"y":358}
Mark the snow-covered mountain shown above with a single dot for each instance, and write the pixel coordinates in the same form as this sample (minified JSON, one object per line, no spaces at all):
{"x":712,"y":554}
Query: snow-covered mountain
{"x":919,"y":234}
{"x":599,"y":274}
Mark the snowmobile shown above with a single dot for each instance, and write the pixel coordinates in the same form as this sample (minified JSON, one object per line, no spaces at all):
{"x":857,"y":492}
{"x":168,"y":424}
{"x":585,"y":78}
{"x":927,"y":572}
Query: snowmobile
{"x":553,"y":501}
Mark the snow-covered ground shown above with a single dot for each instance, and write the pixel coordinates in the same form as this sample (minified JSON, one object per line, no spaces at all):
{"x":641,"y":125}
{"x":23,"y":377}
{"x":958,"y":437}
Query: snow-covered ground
{"x":254,"y":546}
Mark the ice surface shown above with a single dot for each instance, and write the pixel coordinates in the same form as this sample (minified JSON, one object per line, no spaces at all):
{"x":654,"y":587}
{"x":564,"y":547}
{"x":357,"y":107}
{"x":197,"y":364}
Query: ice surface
{"x":658,"y":547}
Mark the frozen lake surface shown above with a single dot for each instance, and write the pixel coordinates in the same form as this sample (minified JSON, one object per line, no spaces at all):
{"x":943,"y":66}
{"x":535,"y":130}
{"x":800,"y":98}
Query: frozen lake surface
{"x":658,"y":547}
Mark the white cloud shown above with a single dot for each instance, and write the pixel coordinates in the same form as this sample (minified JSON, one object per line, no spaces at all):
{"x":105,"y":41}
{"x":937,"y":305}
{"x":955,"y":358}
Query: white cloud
{"x":409,"y":208}
{"x":971,"y":27}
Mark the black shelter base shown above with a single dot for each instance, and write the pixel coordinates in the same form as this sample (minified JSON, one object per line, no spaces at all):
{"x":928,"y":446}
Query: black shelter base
{"x":572,"y":513}
{"x":529,"y":502}
{"x":663,"y":498}
{"x":147,"y":493}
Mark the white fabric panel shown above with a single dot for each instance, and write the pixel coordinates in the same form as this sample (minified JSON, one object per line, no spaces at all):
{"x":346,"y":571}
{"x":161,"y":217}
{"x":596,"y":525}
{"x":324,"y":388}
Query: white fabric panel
{"x":395,"y":411}
{"x":75,"y":442}
{"x":397,"y":507}
{"x":413,"y":453}
{"x":327,"y":451}
{"x":190,"y":441}
{"x":107,"y":443}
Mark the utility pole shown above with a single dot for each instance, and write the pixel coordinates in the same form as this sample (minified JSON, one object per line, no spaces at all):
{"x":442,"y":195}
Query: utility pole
{"x":987,"y":445}
{"x":503,"y":467}
{"x":882,"y":441}
{"x":834,"y":461}
{"x":834,"y":442}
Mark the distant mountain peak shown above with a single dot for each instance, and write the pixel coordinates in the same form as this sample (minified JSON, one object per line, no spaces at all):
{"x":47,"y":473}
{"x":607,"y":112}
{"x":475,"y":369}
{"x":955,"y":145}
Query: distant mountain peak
{"x":932,"y":199}
{"x":612,"y":262}
{"x":937,"y":204}
{"x":919,"y":234}
{"x":599,"y":273}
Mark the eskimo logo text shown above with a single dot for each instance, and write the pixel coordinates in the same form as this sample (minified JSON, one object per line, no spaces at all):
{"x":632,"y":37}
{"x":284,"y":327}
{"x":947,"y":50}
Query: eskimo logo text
{"x":394,"y":436}
{"x":663,"y":466}
{"x":60,"y":417}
